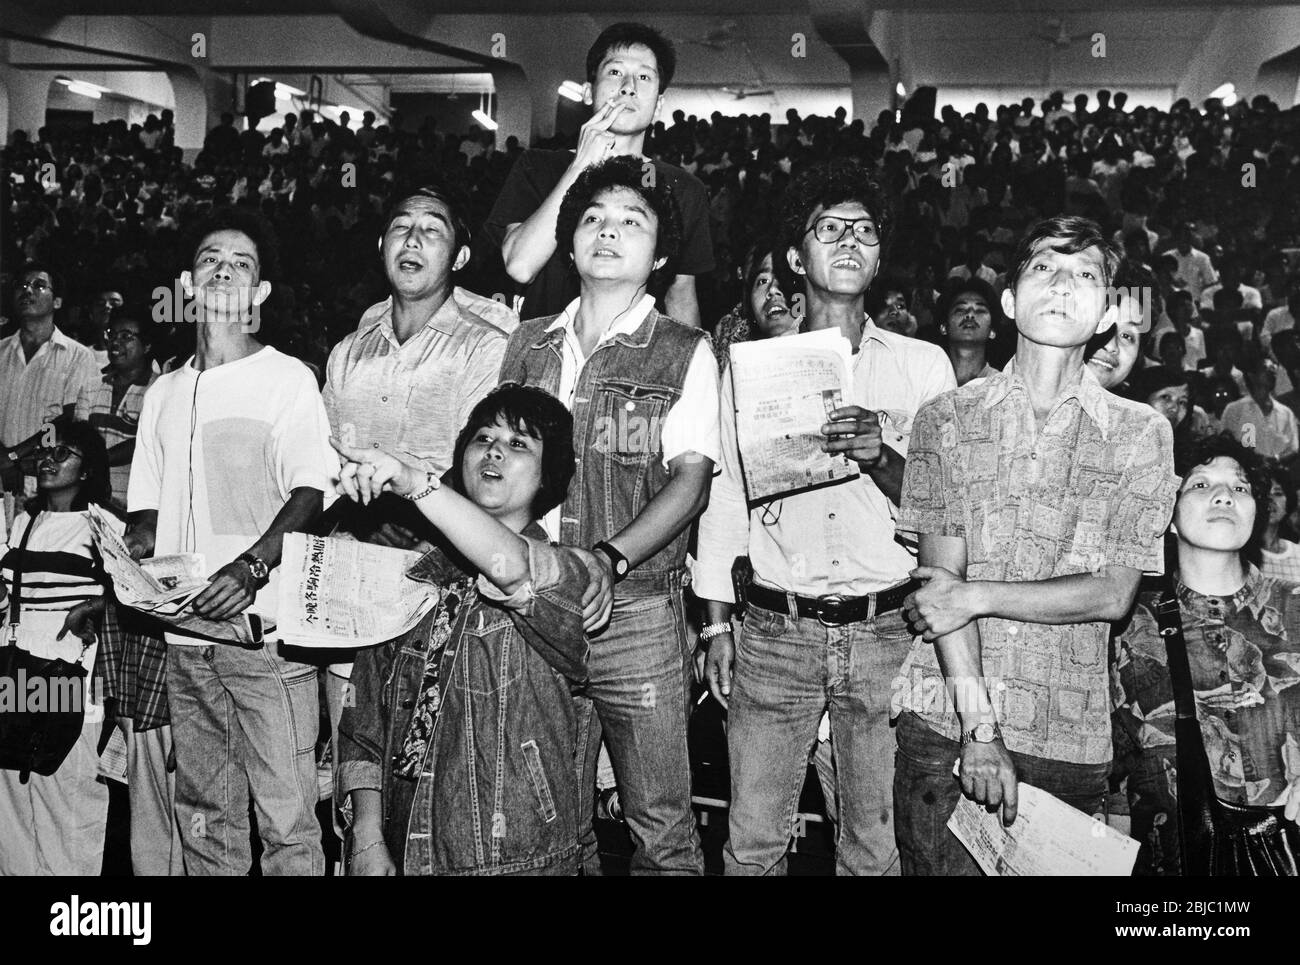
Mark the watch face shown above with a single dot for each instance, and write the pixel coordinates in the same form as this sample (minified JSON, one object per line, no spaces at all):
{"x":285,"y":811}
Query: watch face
{"x":984,"y":733}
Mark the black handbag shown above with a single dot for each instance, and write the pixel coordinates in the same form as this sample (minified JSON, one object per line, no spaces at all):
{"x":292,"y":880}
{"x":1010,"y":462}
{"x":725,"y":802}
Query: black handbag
{"x":1216,"y":838}
{"x":37,"y":737}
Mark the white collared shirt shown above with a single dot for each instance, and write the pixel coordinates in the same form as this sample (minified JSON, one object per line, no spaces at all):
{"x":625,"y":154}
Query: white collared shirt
{"x":691,"y":425}
{"x":32,"y":393}
{"x":834,"y":540}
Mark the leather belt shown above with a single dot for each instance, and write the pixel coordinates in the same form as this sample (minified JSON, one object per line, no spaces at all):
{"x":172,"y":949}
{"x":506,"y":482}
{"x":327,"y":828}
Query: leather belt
{"x":832,"y":611}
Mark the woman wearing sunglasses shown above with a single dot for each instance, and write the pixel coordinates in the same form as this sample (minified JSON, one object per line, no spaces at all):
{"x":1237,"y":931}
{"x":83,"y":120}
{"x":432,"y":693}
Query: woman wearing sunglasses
{"x":55,"y":825}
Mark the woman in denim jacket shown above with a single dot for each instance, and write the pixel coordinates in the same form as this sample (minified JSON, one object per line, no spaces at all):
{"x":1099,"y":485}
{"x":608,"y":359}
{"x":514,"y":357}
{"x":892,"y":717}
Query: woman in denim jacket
{"x":457,"y":742}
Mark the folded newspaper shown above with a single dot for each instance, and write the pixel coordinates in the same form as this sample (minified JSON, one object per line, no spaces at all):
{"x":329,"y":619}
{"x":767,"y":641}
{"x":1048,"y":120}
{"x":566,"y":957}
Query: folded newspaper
{"x":164,"y":586}
{"x":1048,"y":837}
{"x":785,"y":389}
{"x":343,"y":593}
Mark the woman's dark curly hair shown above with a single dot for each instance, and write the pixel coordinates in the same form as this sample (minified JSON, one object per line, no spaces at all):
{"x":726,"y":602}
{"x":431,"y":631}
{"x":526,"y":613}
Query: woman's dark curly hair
{"x":640,"y":177}
{"x":839,"y":181}
{"x":528,"y":409}
{"x":95,"y":488}
{"x":1204,"y":451}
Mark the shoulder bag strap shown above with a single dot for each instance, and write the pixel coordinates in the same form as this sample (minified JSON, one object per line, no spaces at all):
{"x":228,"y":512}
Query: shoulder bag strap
{"x":1198,"y":802}
{"x":16,"y":589}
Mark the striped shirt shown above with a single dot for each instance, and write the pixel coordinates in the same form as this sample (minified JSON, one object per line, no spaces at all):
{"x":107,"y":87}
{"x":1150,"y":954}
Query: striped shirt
{"x":115,"y":425}
{"x":59,"y":572}
{"x":32,"y":393}
{"x":1284,"y":564}
{"x":412,"y":398}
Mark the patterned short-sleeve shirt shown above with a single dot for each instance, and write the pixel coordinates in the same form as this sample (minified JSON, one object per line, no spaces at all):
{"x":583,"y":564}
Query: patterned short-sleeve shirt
{"x":1093,"y":487}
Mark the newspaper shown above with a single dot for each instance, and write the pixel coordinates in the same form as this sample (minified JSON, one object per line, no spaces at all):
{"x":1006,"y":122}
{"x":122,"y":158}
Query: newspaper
{"x":1048,"y":837}
{"x":785,"y":390}
{"x":165,"y":586}
{"x":345,"y":593}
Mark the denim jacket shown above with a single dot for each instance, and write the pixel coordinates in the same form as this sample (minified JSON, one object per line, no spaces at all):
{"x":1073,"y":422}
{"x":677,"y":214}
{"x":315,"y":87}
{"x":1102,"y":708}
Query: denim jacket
{"x":497,"y":792}
{"x":623,"y":395}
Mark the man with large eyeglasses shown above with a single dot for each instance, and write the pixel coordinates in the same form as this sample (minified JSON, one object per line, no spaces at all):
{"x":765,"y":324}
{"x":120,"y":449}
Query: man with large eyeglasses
{"x":823,"y":628}
{"x":42,"y":374}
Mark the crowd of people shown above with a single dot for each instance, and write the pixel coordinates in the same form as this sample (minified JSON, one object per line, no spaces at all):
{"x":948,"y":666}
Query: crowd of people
{"x":1067,"y":328}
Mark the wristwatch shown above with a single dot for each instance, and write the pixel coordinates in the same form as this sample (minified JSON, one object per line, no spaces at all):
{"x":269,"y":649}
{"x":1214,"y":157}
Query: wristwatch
{"x":261,"y":572}
{"x":985,"y":733}
{"x":619,"y":561}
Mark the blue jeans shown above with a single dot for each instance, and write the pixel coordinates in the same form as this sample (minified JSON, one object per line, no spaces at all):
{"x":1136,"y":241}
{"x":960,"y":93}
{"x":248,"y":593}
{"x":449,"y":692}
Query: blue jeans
{"x":638,"y":697}
{"x":926,"y":792}
{"x":244,"y":724}
{"x":788,"y":670}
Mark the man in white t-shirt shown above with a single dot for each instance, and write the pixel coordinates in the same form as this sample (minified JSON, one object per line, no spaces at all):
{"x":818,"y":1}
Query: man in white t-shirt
{"x":233,"y":452}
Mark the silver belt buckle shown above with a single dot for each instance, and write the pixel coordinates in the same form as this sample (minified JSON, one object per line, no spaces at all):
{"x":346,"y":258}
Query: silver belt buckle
{"x":829,"y":598}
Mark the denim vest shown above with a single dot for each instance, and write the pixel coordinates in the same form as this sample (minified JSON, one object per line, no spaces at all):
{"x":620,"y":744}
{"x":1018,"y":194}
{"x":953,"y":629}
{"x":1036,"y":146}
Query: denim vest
{"x":622,"y":397}
{"x":497,"y":791}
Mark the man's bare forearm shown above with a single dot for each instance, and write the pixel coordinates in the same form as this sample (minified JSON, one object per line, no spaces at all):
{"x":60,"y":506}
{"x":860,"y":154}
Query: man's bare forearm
{"x":529,"y":244}
{"x":667,"y":514}
{"x":961,"y":662}
{"x":1078,"y":598}
{"x":298,"y":512}
{"x":888,"y":474}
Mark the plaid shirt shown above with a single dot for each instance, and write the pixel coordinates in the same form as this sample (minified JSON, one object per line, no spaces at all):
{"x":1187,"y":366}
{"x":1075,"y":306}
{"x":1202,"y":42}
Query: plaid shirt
{"x":133,"y":664}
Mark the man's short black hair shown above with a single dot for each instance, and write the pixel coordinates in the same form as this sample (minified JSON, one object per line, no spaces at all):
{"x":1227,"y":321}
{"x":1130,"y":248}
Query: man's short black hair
{"x":534,"y":411}
{"x":247,"y":222}
{"x":139,"y":313}
{"x":955,"y":287}
{"x":453,"y":197}
{"x":839,"y":181}
{"x":633,"y":174}
{"x":625,"y":34}
{"x":1077,"y":234}
{"x":33,"y":266}
{"x":1201,"y":452}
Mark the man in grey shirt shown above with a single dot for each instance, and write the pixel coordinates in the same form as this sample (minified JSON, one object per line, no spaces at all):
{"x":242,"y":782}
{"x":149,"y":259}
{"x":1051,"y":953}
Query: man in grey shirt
{"x":407,"y":378}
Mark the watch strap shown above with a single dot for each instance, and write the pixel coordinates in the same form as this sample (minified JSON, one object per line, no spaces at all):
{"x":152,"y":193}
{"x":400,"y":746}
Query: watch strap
{"x":254,"y":564}
{"x":968,"y":737}
{"x":619,"y":561}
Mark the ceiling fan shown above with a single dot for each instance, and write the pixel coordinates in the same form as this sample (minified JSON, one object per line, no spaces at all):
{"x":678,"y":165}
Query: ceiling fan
{"x":718,"y":38}
{"x":1060,"y":37}
{"x":741,"y":91}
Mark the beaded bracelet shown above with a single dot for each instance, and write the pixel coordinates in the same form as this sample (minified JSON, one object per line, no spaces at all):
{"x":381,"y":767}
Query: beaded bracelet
{"x":434,"y":485}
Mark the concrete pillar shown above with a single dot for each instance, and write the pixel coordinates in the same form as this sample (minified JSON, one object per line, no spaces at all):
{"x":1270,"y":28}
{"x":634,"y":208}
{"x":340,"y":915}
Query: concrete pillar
{"x":191,"y":111}
{"x":27,"y":92}
{"x":872,"y":92}
{"x":516,"y":108}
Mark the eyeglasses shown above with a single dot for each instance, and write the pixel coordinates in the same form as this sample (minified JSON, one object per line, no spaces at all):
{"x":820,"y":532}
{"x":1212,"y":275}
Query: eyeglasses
{"x":35,"y":284}
{"x":829,"y":229}
{"x":58,"y":453}
{"x":121,"y":337}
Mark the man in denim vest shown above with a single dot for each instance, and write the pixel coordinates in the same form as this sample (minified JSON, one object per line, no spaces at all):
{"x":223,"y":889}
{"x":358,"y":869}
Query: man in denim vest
{"x":643,"y":393}
{"x":824,"y":628}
